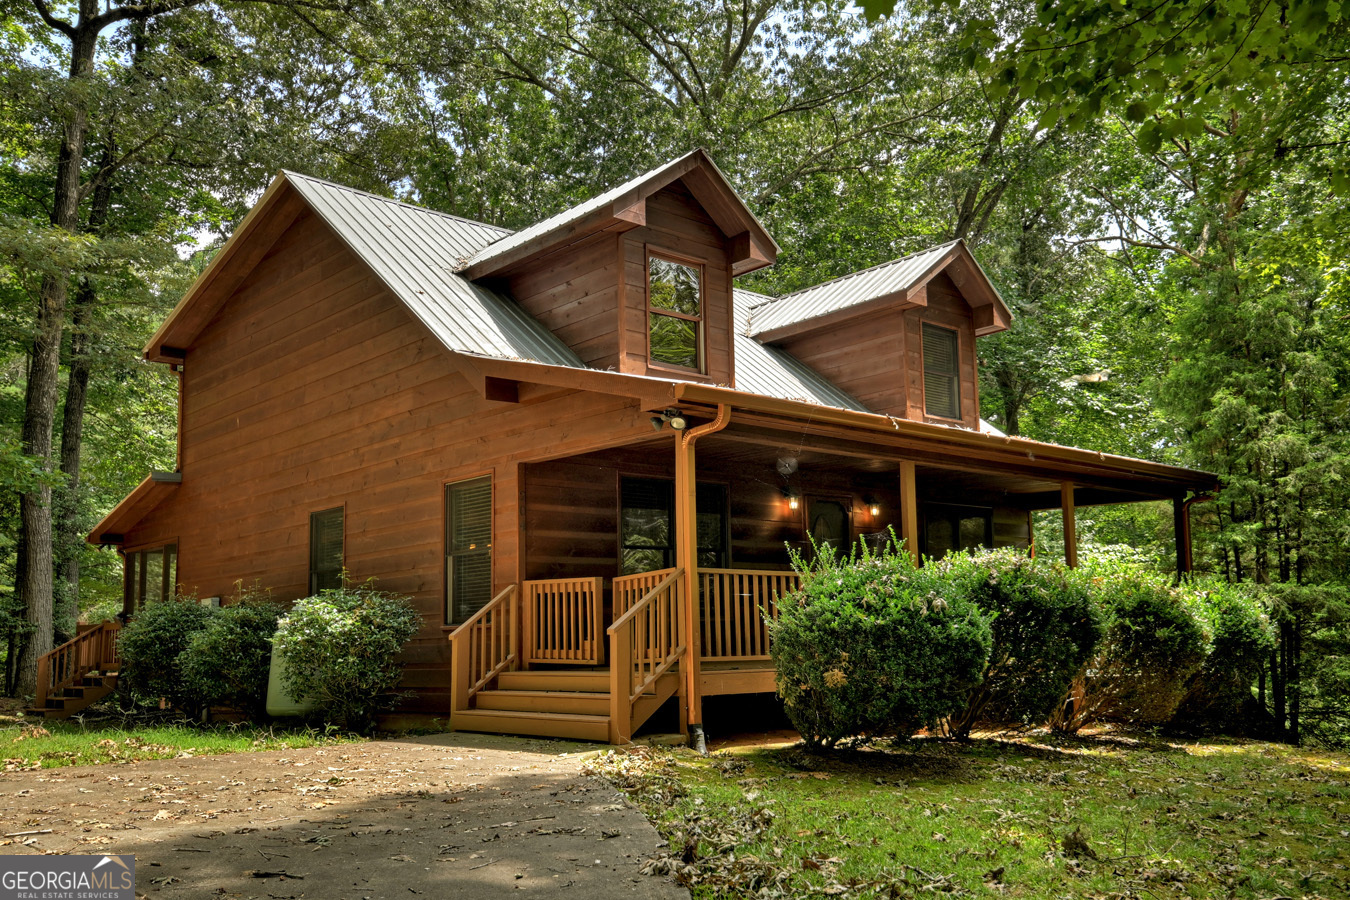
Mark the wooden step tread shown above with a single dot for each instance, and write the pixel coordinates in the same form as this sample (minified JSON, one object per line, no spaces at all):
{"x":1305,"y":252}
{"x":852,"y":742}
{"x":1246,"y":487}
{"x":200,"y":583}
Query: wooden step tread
{"x":541,"y":724}
{"x":590,"y":703}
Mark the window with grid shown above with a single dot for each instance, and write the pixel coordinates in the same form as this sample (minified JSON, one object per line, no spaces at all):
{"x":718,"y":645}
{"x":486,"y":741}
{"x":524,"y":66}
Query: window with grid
{"x":151,"y":575}
{"x":325,"y":550}
{"x":941,"y":376}
{"x":468,"y":548}
{"x":675,"y":313}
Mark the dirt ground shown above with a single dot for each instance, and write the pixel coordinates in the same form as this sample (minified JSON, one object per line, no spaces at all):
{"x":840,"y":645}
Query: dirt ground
{"x":448,"y":815}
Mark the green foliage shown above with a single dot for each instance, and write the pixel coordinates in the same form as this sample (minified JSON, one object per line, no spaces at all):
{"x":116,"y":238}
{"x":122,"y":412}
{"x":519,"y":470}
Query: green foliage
{"x":1045,"y":627}
{"x":227,"y":661}
{"x":151,"y":645}
{"x":341,"y":648}
{"x":872,"y":646}
{"x":1219,"y":696}
{"x":1154,"y":643}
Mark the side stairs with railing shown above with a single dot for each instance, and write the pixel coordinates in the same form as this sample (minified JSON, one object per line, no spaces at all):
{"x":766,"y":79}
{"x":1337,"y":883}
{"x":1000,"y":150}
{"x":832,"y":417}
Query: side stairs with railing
{"x":78,"y":673}
{"x":558,"y":622}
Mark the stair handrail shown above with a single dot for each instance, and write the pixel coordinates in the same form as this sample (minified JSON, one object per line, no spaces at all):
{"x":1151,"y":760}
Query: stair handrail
{"x":644,"y":643}
{"x":474,"y":663}
{"x":64,"y":665}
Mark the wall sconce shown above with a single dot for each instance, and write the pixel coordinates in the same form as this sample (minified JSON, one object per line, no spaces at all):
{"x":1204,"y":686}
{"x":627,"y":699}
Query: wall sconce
{"x":873,"y":506}
{"x":793,"y":502}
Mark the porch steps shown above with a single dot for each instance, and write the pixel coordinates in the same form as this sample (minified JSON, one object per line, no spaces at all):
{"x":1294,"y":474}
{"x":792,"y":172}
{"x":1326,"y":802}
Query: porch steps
{"x":87,"y":691}
{"x":556,"y":703}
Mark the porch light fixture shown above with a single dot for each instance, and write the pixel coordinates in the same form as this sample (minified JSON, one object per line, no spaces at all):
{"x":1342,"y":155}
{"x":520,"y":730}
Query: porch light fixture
{"x":873,"y":507}
{"x":673,"y":416}
{"x":793,"y":502}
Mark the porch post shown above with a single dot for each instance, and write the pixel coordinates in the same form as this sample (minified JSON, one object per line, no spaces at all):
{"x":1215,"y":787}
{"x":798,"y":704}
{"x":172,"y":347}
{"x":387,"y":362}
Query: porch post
{"x":1070,"y":526}
{"x":1181,"y":529}
{"x":909,"y":509}
{"x":686,"y":556}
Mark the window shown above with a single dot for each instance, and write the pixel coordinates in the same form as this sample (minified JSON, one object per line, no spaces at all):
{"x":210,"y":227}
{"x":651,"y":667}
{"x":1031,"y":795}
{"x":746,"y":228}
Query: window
{"x":151,"y":576}
{"x":647,"y":525}
{"x":941,"y":378}
{"x":827,"y":523}
{"x":951,"y":528}
{"x":325,"y":550}
{"x":468,"y":548}
{"x":675,"y":313}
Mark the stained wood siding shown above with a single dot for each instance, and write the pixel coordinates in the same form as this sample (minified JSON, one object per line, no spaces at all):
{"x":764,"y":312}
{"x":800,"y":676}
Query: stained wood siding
{"x":312,"y":388}
{"x":574,"y":292}
{"x":677,"y":224}
{"x":878,"y":357}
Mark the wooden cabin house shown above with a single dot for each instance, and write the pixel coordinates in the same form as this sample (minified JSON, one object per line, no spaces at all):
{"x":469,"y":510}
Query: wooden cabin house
{"x":579,"y":447}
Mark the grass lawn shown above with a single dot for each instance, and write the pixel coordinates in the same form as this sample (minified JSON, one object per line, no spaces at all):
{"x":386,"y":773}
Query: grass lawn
{"x":1108,"y":816}
{"x":53,"y":743}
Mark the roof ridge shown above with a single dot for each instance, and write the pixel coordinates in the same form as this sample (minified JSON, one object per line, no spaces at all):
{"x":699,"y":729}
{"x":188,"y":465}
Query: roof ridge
{"x":873,"y":268}
{"x":290,"y":173}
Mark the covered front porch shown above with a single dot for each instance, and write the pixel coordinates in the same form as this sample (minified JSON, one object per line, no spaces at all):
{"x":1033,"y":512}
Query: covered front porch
{"x":646,"y":572}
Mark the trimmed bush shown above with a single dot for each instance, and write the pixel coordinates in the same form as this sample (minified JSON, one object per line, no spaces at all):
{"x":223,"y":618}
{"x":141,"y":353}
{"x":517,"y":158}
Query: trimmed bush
{"x":1153,"y":644}
{"x":1219,"y":696}
{"x":341,"y":649}
{"x":227,"y":661}
{"x":1045,"y":627}
{"x":871,"y":646}
{"x":150,"y":646}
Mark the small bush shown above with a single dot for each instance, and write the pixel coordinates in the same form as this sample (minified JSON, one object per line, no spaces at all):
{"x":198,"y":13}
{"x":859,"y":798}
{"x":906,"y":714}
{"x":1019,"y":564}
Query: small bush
{"x":871,"y":646}
{"x":1219,"y":696}
{"x":1153,"y":644}
{"x":341,"y":648}
{"x":227,"y":661}
{"x":1045,"y":627}
{"x":150,"y":645}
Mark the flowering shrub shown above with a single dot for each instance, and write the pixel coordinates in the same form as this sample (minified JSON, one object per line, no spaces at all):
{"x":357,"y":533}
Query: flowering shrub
{"x":341,"y":649}
{"x":1045,"y":627}
{"x":872,"y":646}
{"x":227,"y":661}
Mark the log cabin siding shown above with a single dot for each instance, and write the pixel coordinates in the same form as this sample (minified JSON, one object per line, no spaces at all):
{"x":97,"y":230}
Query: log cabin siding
{"x":877,"y":357}
{"x":574,"y":292}
{"x":678,"y":225}
{"x":313,"y":387}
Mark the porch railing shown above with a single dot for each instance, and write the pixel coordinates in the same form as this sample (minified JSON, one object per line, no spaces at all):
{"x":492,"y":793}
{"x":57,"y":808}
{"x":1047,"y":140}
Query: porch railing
{"x":483,"y":647}
{"x":563,"y":620}
{"x":644,"y":642}
{"x":733,"y":603}
{"x":65,"y":665}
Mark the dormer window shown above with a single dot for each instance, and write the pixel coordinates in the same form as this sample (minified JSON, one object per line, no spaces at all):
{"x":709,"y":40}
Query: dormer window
{"x":941,"y":376}
{"x":675,"y":313}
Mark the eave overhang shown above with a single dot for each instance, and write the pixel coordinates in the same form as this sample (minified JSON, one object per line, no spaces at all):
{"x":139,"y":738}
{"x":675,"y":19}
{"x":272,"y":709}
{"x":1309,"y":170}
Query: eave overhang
{"x":150,"y":493}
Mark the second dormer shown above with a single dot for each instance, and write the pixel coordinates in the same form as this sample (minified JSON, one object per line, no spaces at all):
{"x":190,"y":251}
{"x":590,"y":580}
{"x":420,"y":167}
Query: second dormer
{"x":899,"y":337}
{"x":639,"y":279}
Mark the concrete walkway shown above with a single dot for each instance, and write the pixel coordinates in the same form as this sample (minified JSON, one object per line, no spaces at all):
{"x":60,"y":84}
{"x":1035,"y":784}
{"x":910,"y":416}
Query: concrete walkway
{"x":454,"y":815}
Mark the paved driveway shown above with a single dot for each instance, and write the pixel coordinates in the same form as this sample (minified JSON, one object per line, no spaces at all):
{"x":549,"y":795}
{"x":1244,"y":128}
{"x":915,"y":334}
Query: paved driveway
{"x":453,"y":815}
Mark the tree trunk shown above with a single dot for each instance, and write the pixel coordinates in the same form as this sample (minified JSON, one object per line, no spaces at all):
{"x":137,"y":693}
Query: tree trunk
{"x":34,"y":580}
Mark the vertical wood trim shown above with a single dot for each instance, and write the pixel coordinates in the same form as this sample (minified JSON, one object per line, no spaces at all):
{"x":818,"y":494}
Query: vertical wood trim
{"x":909,"y":509}
{"x":1070,"y":525}
{"x":621,"y":298}
{"x":178,"y":452}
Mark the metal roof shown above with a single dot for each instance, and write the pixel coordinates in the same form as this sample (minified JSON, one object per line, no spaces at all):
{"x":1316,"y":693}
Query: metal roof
{"x":761,"y":369}
{"x":415,"y":251}
{"x":848,"y":290}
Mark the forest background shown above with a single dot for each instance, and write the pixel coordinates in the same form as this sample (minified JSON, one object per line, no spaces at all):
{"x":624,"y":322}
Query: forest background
{"x":1159,"y":191}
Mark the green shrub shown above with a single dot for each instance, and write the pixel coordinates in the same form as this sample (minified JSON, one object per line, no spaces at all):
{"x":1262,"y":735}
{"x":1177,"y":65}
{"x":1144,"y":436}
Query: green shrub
{"x":227,"y":661}
{"x":871,"y":646}
{"x":1219,"y":696}
{"x":1045,"y":627}
{"x":1153,"y":644}
{"x":341,"y":648}
{"x":150,"y":645}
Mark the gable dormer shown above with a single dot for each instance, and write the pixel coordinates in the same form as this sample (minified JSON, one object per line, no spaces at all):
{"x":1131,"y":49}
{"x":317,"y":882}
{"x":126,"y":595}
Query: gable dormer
{"x":638,"y":279}
{"x":900,"y":337}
